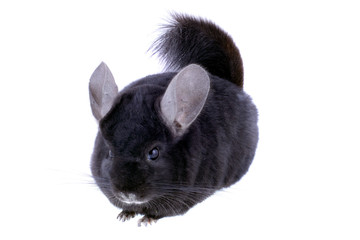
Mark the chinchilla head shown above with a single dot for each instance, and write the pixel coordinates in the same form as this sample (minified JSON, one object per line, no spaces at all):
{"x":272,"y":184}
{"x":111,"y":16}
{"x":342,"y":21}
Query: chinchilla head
{"x":137,"y":158}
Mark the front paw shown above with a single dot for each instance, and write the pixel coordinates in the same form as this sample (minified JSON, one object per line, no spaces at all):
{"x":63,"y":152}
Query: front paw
{"x":146,"y":220}
{"x":126,"y":215}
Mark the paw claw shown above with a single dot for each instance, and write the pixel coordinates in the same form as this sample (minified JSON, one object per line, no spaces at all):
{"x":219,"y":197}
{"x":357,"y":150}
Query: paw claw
{"x":146,"y":221}
{"x":125,"y":215}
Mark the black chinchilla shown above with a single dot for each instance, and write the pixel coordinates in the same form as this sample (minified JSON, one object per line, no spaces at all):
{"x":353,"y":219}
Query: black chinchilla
{"x":168,"y":141}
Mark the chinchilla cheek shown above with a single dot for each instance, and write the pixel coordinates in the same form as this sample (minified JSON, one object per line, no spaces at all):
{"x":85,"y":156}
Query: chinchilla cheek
{"x":105,"y":168}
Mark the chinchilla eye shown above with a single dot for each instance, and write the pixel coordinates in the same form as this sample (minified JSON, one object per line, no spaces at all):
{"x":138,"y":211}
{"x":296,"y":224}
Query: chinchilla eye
{"x":111,"y":154}
{"x":153,"y":154}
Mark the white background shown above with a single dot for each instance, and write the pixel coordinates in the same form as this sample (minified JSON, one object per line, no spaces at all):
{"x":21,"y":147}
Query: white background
{"x":302,"y":65}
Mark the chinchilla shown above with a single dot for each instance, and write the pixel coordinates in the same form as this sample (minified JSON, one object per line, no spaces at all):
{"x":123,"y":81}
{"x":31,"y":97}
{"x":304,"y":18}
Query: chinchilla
{"x":168,"y":141}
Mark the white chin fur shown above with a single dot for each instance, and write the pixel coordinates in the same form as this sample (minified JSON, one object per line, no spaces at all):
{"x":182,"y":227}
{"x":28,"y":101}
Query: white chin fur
{"x":129,"y":198}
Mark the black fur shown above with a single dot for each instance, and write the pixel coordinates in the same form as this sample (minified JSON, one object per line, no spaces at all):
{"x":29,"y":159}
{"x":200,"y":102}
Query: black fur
{"x":216,"y":150}
{"x":189,"y":40}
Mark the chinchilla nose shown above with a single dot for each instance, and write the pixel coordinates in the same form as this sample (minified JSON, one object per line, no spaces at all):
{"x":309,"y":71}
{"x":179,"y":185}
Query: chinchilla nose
{"x":127,"y":176}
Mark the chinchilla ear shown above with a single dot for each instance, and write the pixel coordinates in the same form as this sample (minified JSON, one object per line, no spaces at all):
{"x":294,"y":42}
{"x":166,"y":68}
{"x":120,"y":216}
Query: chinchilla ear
{"x":185,"y":97}
{"x":103,"y":90}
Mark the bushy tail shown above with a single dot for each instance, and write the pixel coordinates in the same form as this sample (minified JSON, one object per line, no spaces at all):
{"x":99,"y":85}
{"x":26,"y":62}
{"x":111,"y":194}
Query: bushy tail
{"x":189,"y":40}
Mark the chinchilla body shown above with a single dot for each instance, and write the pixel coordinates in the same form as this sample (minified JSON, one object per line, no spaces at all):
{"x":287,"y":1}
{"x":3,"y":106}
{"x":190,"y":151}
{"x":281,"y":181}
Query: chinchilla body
{"x":168,"y":141}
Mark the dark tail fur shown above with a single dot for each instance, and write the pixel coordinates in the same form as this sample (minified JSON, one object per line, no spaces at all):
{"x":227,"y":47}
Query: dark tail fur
{"x":194,"y":40}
